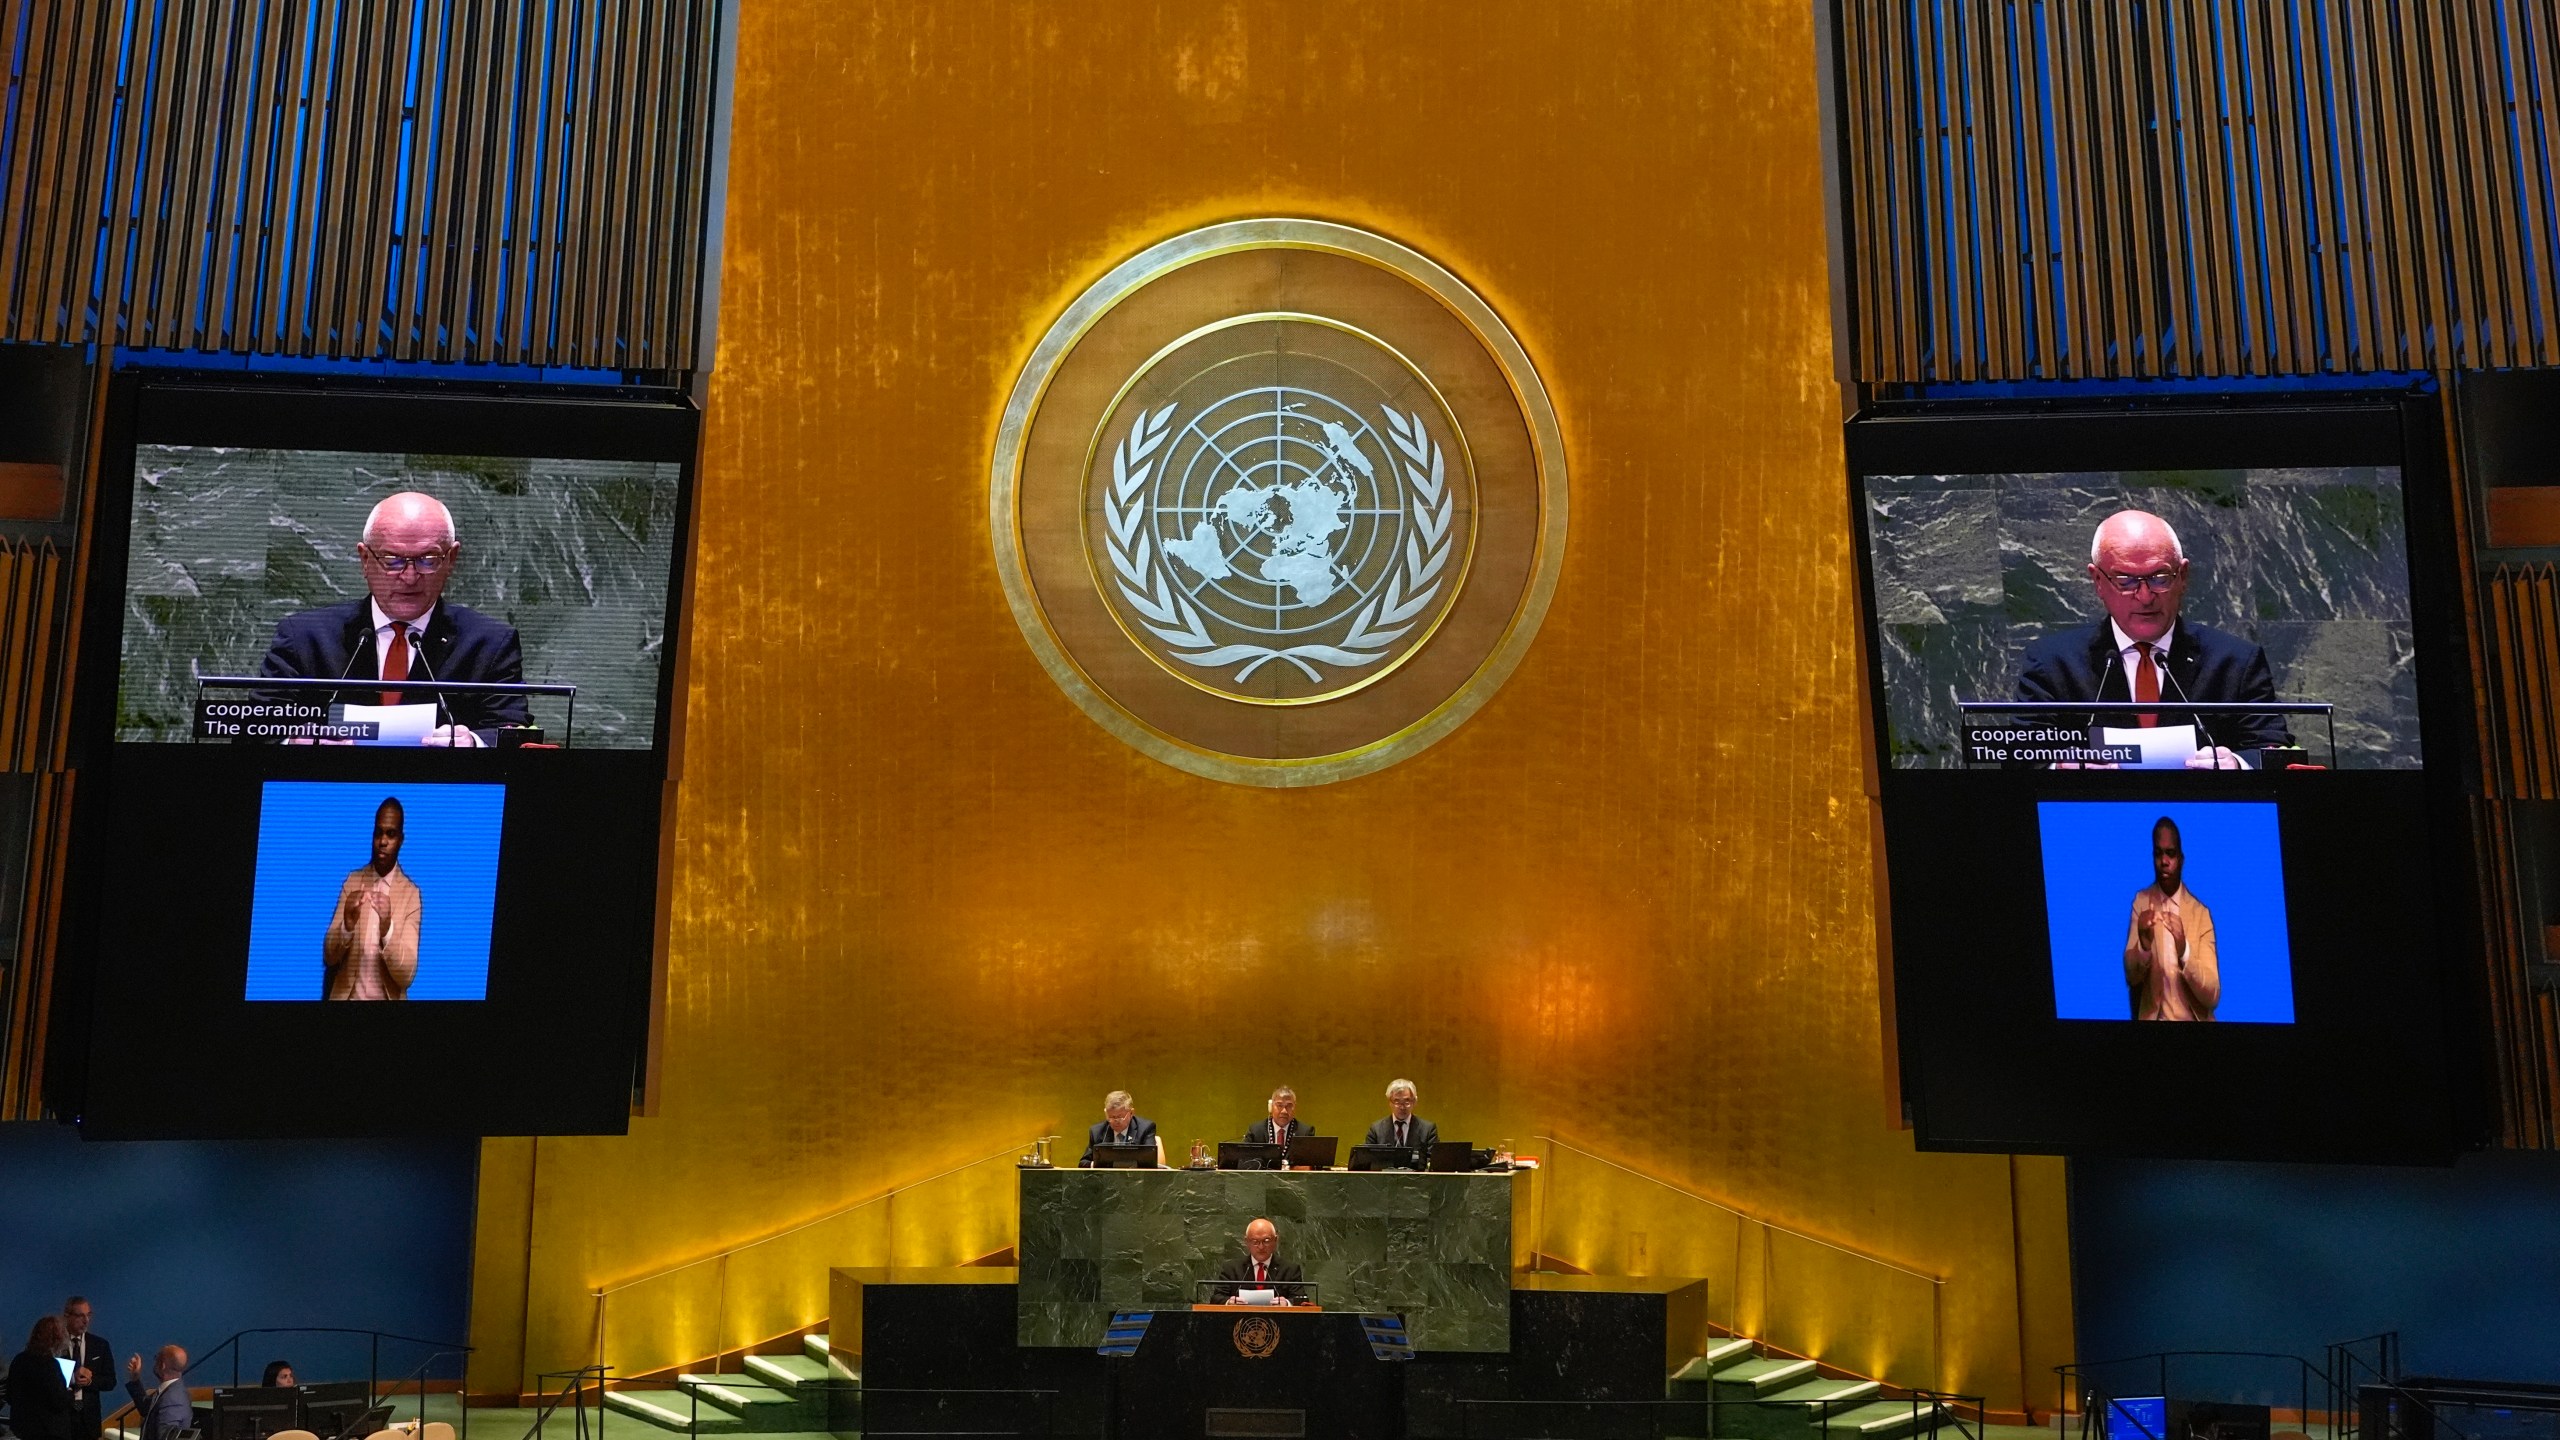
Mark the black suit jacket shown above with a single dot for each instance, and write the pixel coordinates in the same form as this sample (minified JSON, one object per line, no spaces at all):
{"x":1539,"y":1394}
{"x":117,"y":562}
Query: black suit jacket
{"x":1284,"y":1271}
{"x":40,"y":1405}
{"x":2204,"y":665}
{"x":1142,"y":1131}
{"x":1259,"y":1132}
{"x":99,"y":1354}
{"x":1418,"y":1131}
{"x":460,"y":644}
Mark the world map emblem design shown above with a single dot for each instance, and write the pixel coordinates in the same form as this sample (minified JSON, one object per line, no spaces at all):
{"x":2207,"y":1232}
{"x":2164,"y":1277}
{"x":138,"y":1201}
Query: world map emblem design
{"x":1288,"y":541}
{"x":1278,"y":502}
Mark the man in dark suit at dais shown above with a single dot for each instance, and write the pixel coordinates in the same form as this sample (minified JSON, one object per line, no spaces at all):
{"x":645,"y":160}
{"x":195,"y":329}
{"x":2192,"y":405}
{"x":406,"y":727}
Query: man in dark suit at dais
{"x":2141,"y":650}
{"x":404,"y":629}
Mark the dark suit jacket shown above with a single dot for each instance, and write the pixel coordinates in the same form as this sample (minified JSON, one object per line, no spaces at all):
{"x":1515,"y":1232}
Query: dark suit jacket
{"x":1142,"y":1131}
{"x":1259,"y":1132}
{"x":460,"y":644}
{"x":1283,"y":1271}
{"x":39,"y":1403}
{"x":2204,"y":665}
{"x":87,"y":1415}
{"x":1418,"y":1131}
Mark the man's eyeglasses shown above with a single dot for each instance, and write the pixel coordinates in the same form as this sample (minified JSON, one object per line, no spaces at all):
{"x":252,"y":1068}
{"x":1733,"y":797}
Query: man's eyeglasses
{"x":399,"y":564}
{"x":2131,"y":584}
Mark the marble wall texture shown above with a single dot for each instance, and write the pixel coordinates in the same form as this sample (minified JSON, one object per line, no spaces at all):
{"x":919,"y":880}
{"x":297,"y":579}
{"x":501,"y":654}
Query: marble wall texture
{"x":1434,"y":1248}
{"x":2311,"y":564}
{"x":576,"y":554}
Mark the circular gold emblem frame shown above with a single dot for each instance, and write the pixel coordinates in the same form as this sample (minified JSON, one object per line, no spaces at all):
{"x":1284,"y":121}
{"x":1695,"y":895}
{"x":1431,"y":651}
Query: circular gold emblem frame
{"x":1051,"y":437}
{"x":1257,"y":1337}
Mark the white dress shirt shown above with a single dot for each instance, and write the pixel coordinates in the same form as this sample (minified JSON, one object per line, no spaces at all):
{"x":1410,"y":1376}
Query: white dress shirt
{"x":382,"y":640}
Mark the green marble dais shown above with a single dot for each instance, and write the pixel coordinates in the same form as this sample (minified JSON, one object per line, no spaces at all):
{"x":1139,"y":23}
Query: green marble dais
{"x":1435,"y":1248}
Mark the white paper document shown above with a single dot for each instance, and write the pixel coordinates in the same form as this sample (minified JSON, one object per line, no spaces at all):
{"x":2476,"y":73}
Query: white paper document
{"x":2164,"y":747}
{"x":1257,"y":1297}
{"x":401,"y":724}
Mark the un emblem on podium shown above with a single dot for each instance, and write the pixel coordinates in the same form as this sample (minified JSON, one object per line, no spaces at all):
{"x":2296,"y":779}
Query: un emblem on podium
{"x":1257,"y":1336}
{"x":1279,"y":502}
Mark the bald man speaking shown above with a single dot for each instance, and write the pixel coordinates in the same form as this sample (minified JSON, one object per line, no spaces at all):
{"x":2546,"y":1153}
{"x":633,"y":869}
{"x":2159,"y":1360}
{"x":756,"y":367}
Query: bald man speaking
{"x":2142,"y":650}
{"x":404,"y":629}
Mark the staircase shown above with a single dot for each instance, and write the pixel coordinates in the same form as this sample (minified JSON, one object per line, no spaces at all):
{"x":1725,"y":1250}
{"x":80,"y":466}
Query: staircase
{"x":773,"y":1395}
{"x":1794,"y":1399}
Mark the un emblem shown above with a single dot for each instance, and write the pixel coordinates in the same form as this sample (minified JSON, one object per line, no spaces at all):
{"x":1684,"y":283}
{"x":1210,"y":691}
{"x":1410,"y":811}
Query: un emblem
{"x":1279,"y":502}
{"x":1257,"y":1337}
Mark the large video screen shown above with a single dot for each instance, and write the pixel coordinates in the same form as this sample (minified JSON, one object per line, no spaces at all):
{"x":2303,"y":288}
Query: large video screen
{"x":2213,"y":587}
{"x":2169,"y":701}
{"x":354,"y":566}
{"x":374,"y":733}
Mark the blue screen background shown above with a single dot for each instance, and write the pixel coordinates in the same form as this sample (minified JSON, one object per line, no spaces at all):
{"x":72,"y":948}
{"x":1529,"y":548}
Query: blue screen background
{"x":2097,"y":854}
{"x":312,"y":834}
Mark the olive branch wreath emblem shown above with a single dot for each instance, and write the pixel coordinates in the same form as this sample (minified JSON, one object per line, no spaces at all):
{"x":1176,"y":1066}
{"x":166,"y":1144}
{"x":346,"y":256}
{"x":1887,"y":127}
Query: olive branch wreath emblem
{"x":1174,"y":618}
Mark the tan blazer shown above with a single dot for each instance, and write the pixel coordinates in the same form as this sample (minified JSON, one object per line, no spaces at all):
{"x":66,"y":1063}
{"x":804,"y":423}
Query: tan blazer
{"x":2164,"y":984}
{"x":372,"y":957}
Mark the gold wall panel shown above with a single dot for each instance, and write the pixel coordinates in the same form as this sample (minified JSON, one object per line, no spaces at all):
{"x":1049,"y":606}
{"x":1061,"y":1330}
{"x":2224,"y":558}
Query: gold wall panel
{"x":1627,"y":904}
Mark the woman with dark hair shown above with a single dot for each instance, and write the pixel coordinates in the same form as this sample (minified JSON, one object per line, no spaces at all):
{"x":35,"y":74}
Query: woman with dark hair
{"x":39,"y":1397}
{"x":279,"y":1375}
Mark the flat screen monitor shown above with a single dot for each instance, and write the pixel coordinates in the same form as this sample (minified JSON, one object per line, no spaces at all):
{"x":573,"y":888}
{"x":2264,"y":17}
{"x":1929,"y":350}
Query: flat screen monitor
{"x":1455,"y":1156}
{"x":1390,"y":1157}
{"x":1238,"y":1155}
{"x":404,"y":663}
{"x":2140,"y":1417}
{"x":1124,"y":1157}
{"x":250,"y":1412}
{"x":1315,"y":1152}
{"x":2147,"y":685}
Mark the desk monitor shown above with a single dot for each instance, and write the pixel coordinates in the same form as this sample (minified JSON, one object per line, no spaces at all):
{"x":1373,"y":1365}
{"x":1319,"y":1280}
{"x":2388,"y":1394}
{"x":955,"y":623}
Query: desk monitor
{"x":1237,"y":1155}
{"x":1125,"y":1157}
{"x":1314,"y":1151}
{"x":1390,"y":1157}
{"x":252,"y":1412}
{"x":1453,"y":1157}
{"x":330,"y":1409}
{"x":372,"y":1421}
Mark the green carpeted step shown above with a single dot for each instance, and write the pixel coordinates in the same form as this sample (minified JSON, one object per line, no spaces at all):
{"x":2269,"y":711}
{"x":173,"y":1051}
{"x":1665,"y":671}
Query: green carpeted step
{"x":1826,"y":1393}
{"x":814,"y":1346}
{"x":1884,"y":1419}
{"x":762,"y":1408}
{"x":671,"y":1410}
{"x":1757,"y":1379}
{"x":788,"y":1373}
{"x":1696,"y":1380}
{"x":841,"y":1368}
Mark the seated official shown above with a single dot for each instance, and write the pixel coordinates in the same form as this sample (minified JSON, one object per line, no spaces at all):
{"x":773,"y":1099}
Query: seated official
{"x":1402,"y":1126}
{"x":403,"y":629}
{"x":1260,"y":1265}
{"x":1282,"y":1124}
{"x":2141,"y":650}
{"x":1121,"y":1124}
{"x":279,"y":1375}
{"x":163,"y":1405}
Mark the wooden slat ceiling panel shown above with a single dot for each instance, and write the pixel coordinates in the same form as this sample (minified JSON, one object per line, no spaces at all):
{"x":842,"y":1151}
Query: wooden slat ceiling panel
{"x":489,"y":180}
{"x":2183,"y":187}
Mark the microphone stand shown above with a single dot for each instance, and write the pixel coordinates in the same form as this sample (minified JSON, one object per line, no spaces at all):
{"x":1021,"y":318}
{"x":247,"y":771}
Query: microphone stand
{"x":2201,"y":728}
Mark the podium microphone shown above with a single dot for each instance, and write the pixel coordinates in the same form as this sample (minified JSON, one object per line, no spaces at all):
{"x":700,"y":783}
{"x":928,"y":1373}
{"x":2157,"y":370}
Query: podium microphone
{"x":2201,"y":728}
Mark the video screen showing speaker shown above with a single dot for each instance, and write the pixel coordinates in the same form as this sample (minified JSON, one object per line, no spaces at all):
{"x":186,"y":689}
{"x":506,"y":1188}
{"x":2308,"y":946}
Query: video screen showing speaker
{"x":358,"y":583}
{"x":2127,"y":618}
{"x":373,"y":748}
{"x":2165,"y":701}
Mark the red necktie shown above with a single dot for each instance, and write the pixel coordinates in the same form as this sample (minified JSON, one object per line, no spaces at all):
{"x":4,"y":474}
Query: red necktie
{"x":2146,"y":682}
{"x":395,"y":661}
{"x":1399,"y":1132}
{"x":1258,"y":1276}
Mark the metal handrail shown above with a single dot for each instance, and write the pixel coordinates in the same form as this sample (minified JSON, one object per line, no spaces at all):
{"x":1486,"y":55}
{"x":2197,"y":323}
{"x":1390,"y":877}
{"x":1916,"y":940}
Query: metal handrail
{"x":838,"y":1213}
{"x":1739,"y":1213}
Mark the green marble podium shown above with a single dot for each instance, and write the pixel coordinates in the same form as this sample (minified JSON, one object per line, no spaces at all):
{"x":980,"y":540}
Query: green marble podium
{"x":1435,"y":1248}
